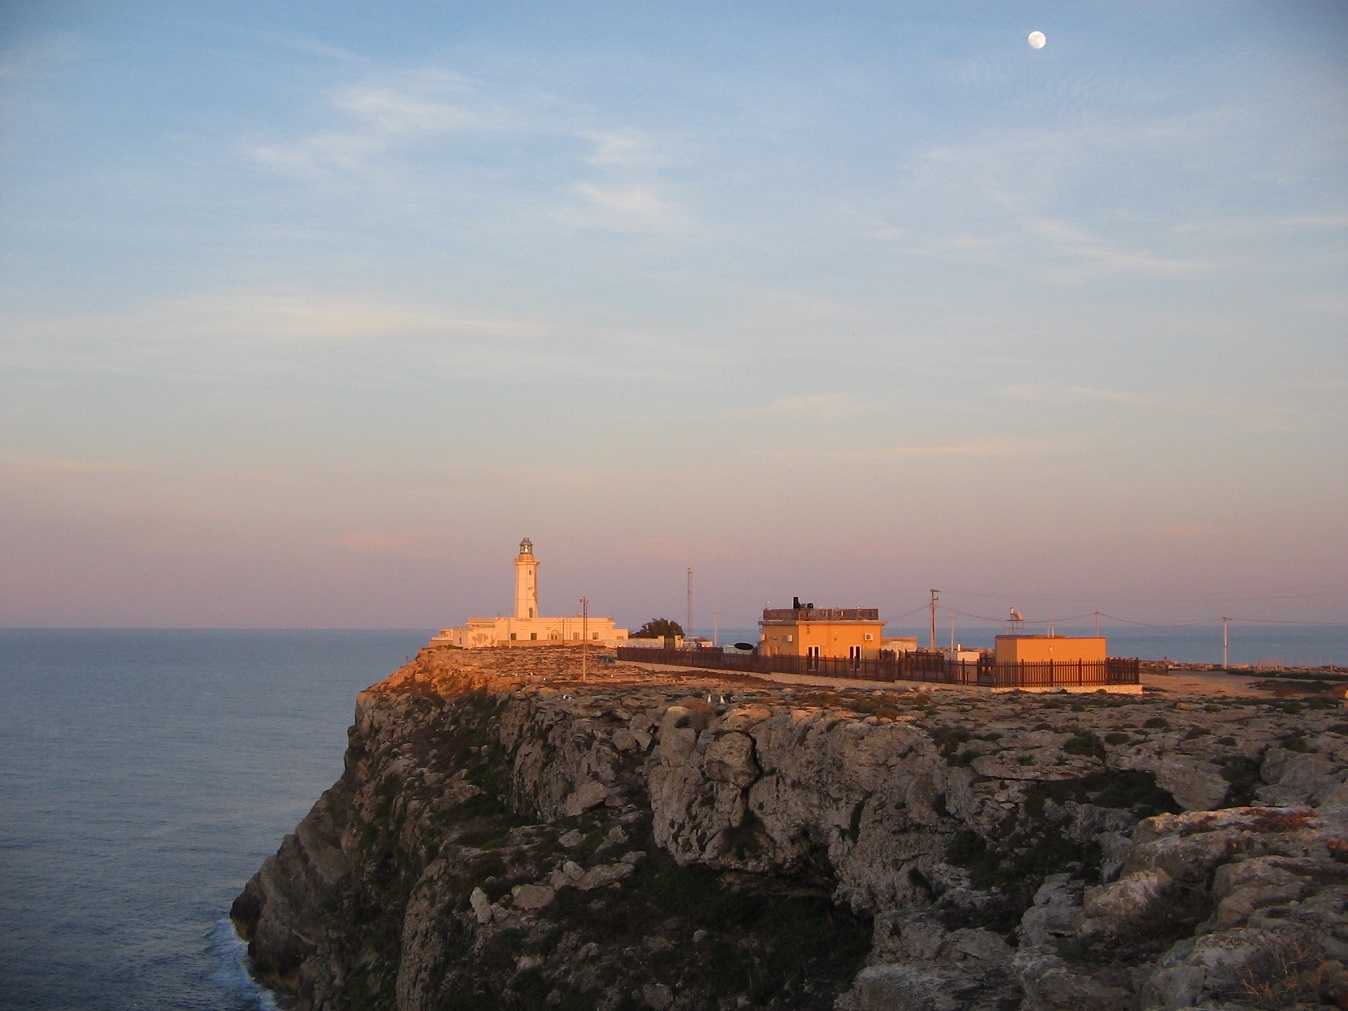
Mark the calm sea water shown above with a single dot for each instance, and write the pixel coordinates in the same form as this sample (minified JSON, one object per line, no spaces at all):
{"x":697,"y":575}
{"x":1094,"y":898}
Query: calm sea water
{"x":146,"y":775}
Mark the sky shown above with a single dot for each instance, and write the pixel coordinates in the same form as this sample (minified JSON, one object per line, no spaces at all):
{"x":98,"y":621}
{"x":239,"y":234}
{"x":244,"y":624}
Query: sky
{"x":310,"y":312}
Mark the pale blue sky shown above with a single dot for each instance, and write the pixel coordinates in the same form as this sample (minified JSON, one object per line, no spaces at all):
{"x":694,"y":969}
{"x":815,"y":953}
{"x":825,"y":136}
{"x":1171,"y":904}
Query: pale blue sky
{"x":308,"y":312}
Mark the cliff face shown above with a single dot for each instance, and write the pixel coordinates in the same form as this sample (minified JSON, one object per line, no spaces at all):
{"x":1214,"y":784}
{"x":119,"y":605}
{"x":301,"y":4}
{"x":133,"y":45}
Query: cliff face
{"x":504,"y":835}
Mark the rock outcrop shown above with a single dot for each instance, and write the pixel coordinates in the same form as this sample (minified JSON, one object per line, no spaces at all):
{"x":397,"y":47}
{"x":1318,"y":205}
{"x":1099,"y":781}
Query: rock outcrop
{"x":506,"y":835}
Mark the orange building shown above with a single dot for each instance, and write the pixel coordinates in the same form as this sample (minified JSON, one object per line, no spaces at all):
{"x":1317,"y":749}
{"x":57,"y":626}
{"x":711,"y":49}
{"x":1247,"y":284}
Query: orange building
{"x":806,"y":630}
{"x":1013,"y":649}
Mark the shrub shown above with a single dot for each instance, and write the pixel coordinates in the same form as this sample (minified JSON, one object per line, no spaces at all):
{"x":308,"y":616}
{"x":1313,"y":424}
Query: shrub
{"x":1243,"y":775}
{"x":1084,"y":743}
{"x":1292,"y":973}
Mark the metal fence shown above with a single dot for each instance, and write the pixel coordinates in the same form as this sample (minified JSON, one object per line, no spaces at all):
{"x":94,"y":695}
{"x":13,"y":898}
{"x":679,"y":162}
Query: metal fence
{"x":920,"y":665}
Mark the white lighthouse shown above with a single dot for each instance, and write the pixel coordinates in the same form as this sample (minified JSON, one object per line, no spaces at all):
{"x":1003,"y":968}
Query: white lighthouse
{"x":525,"y":626}
{"x":526,"y":581}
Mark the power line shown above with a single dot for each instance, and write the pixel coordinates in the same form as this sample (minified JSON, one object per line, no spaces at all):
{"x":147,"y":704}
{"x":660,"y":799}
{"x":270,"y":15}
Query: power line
{"x":1250,"y":595}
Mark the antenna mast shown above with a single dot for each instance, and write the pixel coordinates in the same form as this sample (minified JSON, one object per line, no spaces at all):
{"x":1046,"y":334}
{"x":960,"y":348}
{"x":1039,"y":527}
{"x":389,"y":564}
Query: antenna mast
{"x":688,"y":626}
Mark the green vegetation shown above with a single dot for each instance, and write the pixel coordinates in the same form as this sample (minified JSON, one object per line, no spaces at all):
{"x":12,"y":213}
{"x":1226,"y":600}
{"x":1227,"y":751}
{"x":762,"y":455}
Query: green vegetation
{"x":1084,"y":743}
{"x":658,"y":628}
{"x":770,"y":946}
{"x":1125,"y":789}
{"x":1243,"y":775}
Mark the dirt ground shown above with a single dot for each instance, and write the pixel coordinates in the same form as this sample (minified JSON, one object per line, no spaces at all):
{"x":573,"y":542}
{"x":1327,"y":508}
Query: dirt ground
{"x":1180,"y":682}
{"x":1258,"y":685}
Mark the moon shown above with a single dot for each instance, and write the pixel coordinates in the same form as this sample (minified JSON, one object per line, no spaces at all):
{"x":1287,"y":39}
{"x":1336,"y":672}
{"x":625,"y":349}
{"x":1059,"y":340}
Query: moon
{"x":1037,"y":40}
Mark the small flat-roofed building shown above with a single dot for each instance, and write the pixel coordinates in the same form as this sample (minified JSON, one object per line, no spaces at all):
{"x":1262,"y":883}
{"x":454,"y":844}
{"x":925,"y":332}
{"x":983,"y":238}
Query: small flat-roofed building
{"x":806,"y":630}
{"x":1014,"y":649}
{"x":899,"y":643}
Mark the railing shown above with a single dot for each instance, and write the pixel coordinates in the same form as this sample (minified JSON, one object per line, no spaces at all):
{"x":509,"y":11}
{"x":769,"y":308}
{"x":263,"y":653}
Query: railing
{"x":821,"y":614}
{"x":921,"y":665}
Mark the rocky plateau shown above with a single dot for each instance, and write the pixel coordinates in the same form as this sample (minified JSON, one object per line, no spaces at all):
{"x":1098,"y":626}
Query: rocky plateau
{"x":507,"y":835}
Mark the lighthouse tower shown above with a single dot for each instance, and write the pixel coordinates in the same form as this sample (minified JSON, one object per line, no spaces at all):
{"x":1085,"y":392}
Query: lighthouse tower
{"x":526,"y":581}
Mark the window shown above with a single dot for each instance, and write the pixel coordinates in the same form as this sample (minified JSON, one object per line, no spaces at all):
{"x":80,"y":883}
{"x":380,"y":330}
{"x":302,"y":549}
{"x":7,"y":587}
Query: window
{"x":811,"y":657}
{"x":512,"y":635}
{"x":533,"y":635}
{"x":854,"y":655}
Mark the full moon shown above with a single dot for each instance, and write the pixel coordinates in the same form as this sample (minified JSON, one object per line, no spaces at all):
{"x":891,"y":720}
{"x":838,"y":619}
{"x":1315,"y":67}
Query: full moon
{"x":1037,"y":40}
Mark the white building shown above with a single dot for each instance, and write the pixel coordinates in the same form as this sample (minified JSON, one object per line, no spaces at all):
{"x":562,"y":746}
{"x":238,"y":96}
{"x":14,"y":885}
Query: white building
{"x":526,"y":627}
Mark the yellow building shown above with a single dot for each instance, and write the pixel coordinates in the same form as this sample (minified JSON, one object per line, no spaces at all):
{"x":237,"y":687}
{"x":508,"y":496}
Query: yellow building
{"x":806,"y":630}
{"x":525,"y":627}
{"x":1013,"y":649}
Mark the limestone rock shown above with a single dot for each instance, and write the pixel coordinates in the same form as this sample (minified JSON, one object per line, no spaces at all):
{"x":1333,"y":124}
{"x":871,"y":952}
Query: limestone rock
{"x":1050,"y":984}
{"x":1055,"y":904}
{"x":1127,"y":908}
{"x":941,"y":818}
{"x":604,"y":875}
{"x":481,"y":905}
{"x":585,"y":796}
{"x":531,"y":896}
{"x":1195,"y":785}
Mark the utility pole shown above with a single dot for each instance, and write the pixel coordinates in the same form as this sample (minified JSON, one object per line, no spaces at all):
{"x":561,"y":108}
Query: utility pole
{"x":715,"y":628}
{"x":1097,"y":624}
{"x":1226,"y":661}
{"x":584,"y":638}
{"x":934,"y":595}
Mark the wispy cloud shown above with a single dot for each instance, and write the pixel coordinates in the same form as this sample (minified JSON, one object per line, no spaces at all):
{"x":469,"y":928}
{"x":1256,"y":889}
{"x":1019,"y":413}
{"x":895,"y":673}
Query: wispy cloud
{"x":624,"y":150}
{"x":390,"y":543}
{"x":1288,"y":223}
{"x":304,"y":315}
{"x":816,"y":406}
{"x":1298,"y":407}
{"x":377,"y":115}
{"x":1104,"y":257}
{"x":1064,"y":395}
{"x":276,"y":314}
{"x":971,"y":447}
{"x":624,"y":208}
{"x":27,"y":473}
{"x":630,"y":194}
{"x":1187,"y":532}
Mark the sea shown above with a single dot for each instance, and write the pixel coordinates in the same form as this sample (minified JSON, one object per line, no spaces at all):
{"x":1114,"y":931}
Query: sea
{"x":145,"y":775}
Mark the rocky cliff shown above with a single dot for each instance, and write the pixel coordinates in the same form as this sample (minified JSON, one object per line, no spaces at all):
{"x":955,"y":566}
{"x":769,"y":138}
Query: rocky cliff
{"x":506,"y":835}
